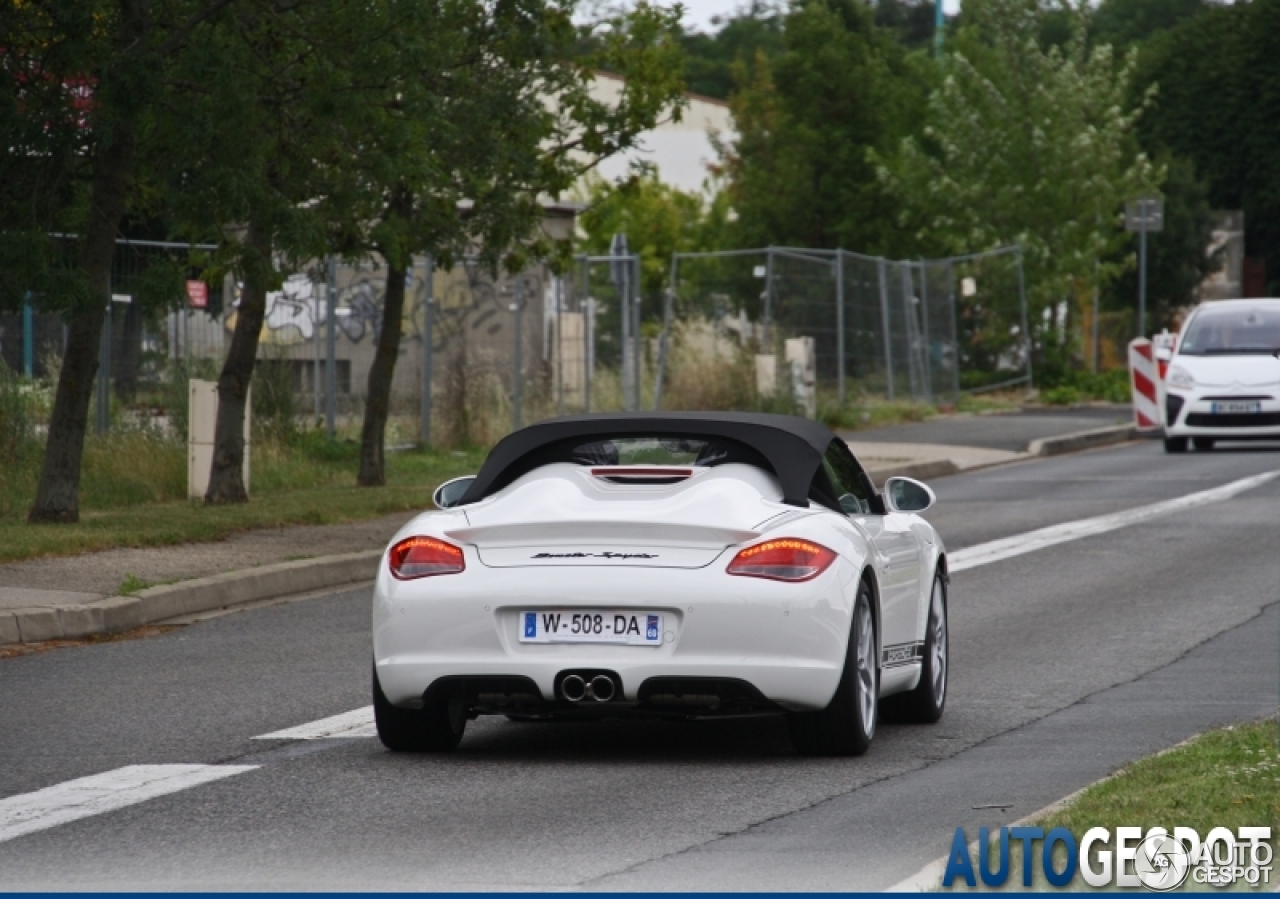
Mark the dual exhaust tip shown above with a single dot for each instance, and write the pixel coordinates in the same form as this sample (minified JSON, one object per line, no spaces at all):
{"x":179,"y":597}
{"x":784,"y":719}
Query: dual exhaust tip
{"x":576,"y":688}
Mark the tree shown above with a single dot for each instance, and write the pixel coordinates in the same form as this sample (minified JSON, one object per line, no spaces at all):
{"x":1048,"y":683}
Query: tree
{"x":799,"y":172}
{"x":486,"y":112}
{"x":250,"y":151}
{"x":1027,"y":146}
{"x":1124,"y":23}
{"x":1177,"y":257}
{"x":79,"y":83}
{"x":710,"y":58}
{"x":1217,"y":103}
{"x":658,"y":220}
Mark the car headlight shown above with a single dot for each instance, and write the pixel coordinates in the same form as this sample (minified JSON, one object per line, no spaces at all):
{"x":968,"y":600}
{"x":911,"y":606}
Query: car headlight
{"x":1180,"y":378}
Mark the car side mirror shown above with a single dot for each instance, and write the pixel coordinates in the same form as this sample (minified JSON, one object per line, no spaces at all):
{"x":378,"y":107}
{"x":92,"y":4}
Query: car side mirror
{"x":907,"y":495}
{"x":450,"y":493}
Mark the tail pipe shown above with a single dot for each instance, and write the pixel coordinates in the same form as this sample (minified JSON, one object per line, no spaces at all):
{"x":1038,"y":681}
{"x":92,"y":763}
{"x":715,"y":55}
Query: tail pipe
{"x":573,"y":688}
{"x":601,"y":688}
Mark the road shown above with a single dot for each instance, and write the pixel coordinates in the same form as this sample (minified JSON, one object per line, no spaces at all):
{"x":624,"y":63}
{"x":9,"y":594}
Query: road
{"x":1067,"y":662}
{"x":1009,"y":431}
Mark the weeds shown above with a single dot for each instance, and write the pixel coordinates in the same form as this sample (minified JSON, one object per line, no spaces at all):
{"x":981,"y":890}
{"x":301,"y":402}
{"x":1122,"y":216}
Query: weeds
{"x":131,"y":585}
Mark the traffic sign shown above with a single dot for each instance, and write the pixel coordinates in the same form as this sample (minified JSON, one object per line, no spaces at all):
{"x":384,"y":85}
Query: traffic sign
{"x":198,"y":294}
{"x":1144,"y":214}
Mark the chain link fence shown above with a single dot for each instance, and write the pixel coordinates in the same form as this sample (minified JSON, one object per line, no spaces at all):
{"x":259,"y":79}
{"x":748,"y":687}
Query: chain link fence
{"x":482,"y":353}
{"x":840,"y":322}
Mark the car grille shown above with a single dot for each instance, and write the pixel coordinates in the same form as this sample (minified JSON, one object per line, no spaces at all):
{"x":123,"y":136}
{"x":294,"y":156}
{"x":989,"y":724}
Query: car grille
{"x":1233,"y":420}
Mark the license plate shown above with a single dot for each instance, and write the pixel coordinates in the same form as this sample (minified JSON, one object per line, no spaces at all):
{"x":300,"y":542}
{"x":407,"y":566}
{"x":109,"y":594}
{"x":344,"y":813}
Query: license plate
{"x":592,"y":626}
{"x":1232,"y":408}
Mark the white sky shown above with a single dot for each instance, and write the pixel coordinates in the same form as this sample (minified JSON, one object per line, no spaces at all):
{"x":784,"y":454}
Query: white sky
{"x":698,"y":13}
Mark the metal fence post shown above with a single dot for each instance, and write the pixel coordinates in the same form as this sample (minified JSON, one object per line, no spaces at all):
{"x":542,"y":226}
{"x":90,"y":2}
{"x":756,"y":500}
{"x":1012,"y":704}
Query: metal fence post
{"x":926,"y":361}
{"x":637,"y":354}
{"x":588,"y":327}
{"x":882,"y":266}
{"x":1022,"y":297}
{"x":768,"y":299}
{"x":955,"y":331}
{"x":559,"y":344}
{"x":667,"y":302}
{"x":1093,"y":355}
{"x":315,"y":354}
{"x":28,"y":338}
{"x":517,"y":391}
{"x":104,"y":374}
{"x":840,"y":326}
{"x":428,"y":315}
{"x":331,"y":362}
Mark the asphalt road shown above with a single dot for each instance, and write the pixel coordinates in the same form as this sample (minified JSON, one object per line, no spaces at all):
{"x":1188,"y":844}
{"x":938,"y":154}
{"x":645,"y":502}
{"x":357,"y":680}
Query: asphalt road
{"x":1067,"y":662}
{"x":1011,"y":431}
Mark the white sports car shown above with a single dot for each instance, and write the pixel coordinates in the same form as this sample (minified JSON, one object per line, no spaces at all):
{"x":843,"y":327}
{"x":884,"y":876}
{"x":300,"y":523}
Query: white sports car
{"x":664,"y":564}
{"x":1223,"y":382}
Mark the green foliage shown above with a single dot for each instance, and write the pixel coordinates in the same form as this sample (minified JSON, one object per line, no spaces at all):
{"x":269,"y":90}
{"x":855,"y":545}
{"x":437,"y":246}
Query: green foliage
{"x":16,"y":414}
{"x":132,"y":584}
{"x":710,"y":58}
{"x":911,"y":21}
{"x":1224,"y":778}
{"x":1069,"y":387}
{"x":1027,"y":146}
{"x":800,"y":172}
{"x":1177,"y":258}
{"x":1123,"y":23}
{"x":658,"y":220}
{"x":273,"y":396}
{"x":1218,"y":77}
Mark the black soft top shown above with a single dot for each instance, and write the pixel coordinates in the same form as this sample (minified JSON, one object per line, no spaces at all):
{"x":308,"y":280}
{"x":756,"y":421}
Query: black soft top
{"x":791,"y":447}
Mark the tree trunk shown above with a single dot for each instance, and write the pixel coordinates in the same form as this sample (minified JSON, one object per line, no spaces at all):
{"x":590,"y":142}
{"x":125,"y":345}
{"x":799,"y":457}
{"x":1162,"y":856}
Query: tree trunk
{"x":373,"y":464}
{"x":58,"y":496}
{"x":226,"y":481}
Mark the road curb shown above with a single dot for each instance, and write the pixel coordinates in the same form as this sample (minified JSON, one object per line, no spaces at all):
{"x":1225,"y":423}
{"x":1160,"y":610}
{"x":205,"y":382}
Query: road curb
{"x":1082,"y":440}
{"x":156,"y":604}
{"x":935,"y":468}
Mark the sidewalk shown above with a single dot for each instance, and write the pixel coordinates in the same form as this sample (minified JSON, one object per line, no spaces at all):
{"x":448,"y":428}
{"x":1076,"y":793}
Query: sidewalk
{"x":78,"y":596}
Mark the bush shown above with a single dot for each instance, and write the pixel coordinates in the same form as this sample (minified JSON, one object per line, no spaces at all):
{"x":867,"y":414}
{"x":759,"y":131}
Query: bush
{"x":1081,"y":386}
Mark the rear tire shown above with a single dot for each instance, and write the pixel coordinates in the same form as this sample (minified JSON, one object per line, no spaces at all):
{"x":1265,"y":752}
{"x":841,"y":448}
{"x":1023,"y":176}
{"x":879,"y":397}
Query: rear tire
{"x":925,"y":704}
{"x":848,"y":723}
{"x":1202,"y":444}
{"x":436,"y":727}
{"x":1175,"y":444}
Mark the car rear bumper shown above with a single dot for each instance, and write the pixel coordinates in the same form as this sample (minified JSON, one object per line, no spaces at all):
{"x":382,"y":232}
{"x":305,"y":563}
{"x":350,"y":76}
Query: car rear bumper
{"x":784,"y":641}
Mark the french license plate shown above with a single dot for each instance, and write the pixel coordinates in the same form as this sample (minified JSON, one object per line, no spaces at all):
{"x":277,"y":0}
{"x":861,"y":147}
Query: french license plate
{"x":592,"y":626}
{"x":1232,"y":408}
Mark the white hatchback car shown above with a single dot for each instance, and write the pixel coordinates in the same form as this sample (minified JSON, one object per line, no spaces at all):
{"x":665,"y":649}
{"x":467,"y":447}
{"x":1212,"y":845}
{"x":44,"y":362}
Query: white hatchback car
{"x":659,"y":565}
{"x":1223,"y":381}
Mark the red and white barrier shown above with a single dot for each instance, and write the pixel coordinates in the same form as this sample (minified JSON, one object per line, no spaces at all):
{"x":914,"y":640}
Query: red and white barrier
{"x":1145,"y":379}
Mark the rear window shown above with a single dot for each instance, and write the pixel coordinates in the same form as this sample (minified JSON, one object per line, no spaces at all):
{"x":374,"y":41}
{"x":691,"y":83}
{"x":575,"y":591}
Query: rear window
{"x":1233,"y":330}
{"x":652,"y":451}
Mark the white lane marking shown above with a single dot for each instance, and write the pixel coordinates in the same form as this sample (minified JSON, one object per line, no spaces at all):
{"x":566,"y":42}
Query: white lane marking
{"x":87,"y":796}
{"x":1008,"y":547}
{"x":356,"y":723}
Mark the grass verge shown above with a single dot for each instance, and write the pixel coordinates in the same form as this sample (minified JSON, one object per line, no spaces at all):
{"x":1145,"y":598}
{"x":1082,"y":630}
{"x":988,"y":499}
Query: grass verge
{"x":1224,"y":778}
{"x":138,"y":502}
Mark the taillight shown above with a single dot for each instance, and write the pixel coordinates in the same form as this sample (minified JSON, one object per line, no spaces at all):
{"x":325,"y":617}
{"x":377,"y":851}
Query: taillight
{"x":424,"y":556}
{"x":788,"y":559}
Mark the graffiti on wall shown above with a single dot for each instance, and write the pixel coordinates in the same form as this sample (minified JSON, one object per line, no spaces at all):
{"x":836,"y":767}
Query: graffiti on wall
{"x":471,"y":304}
